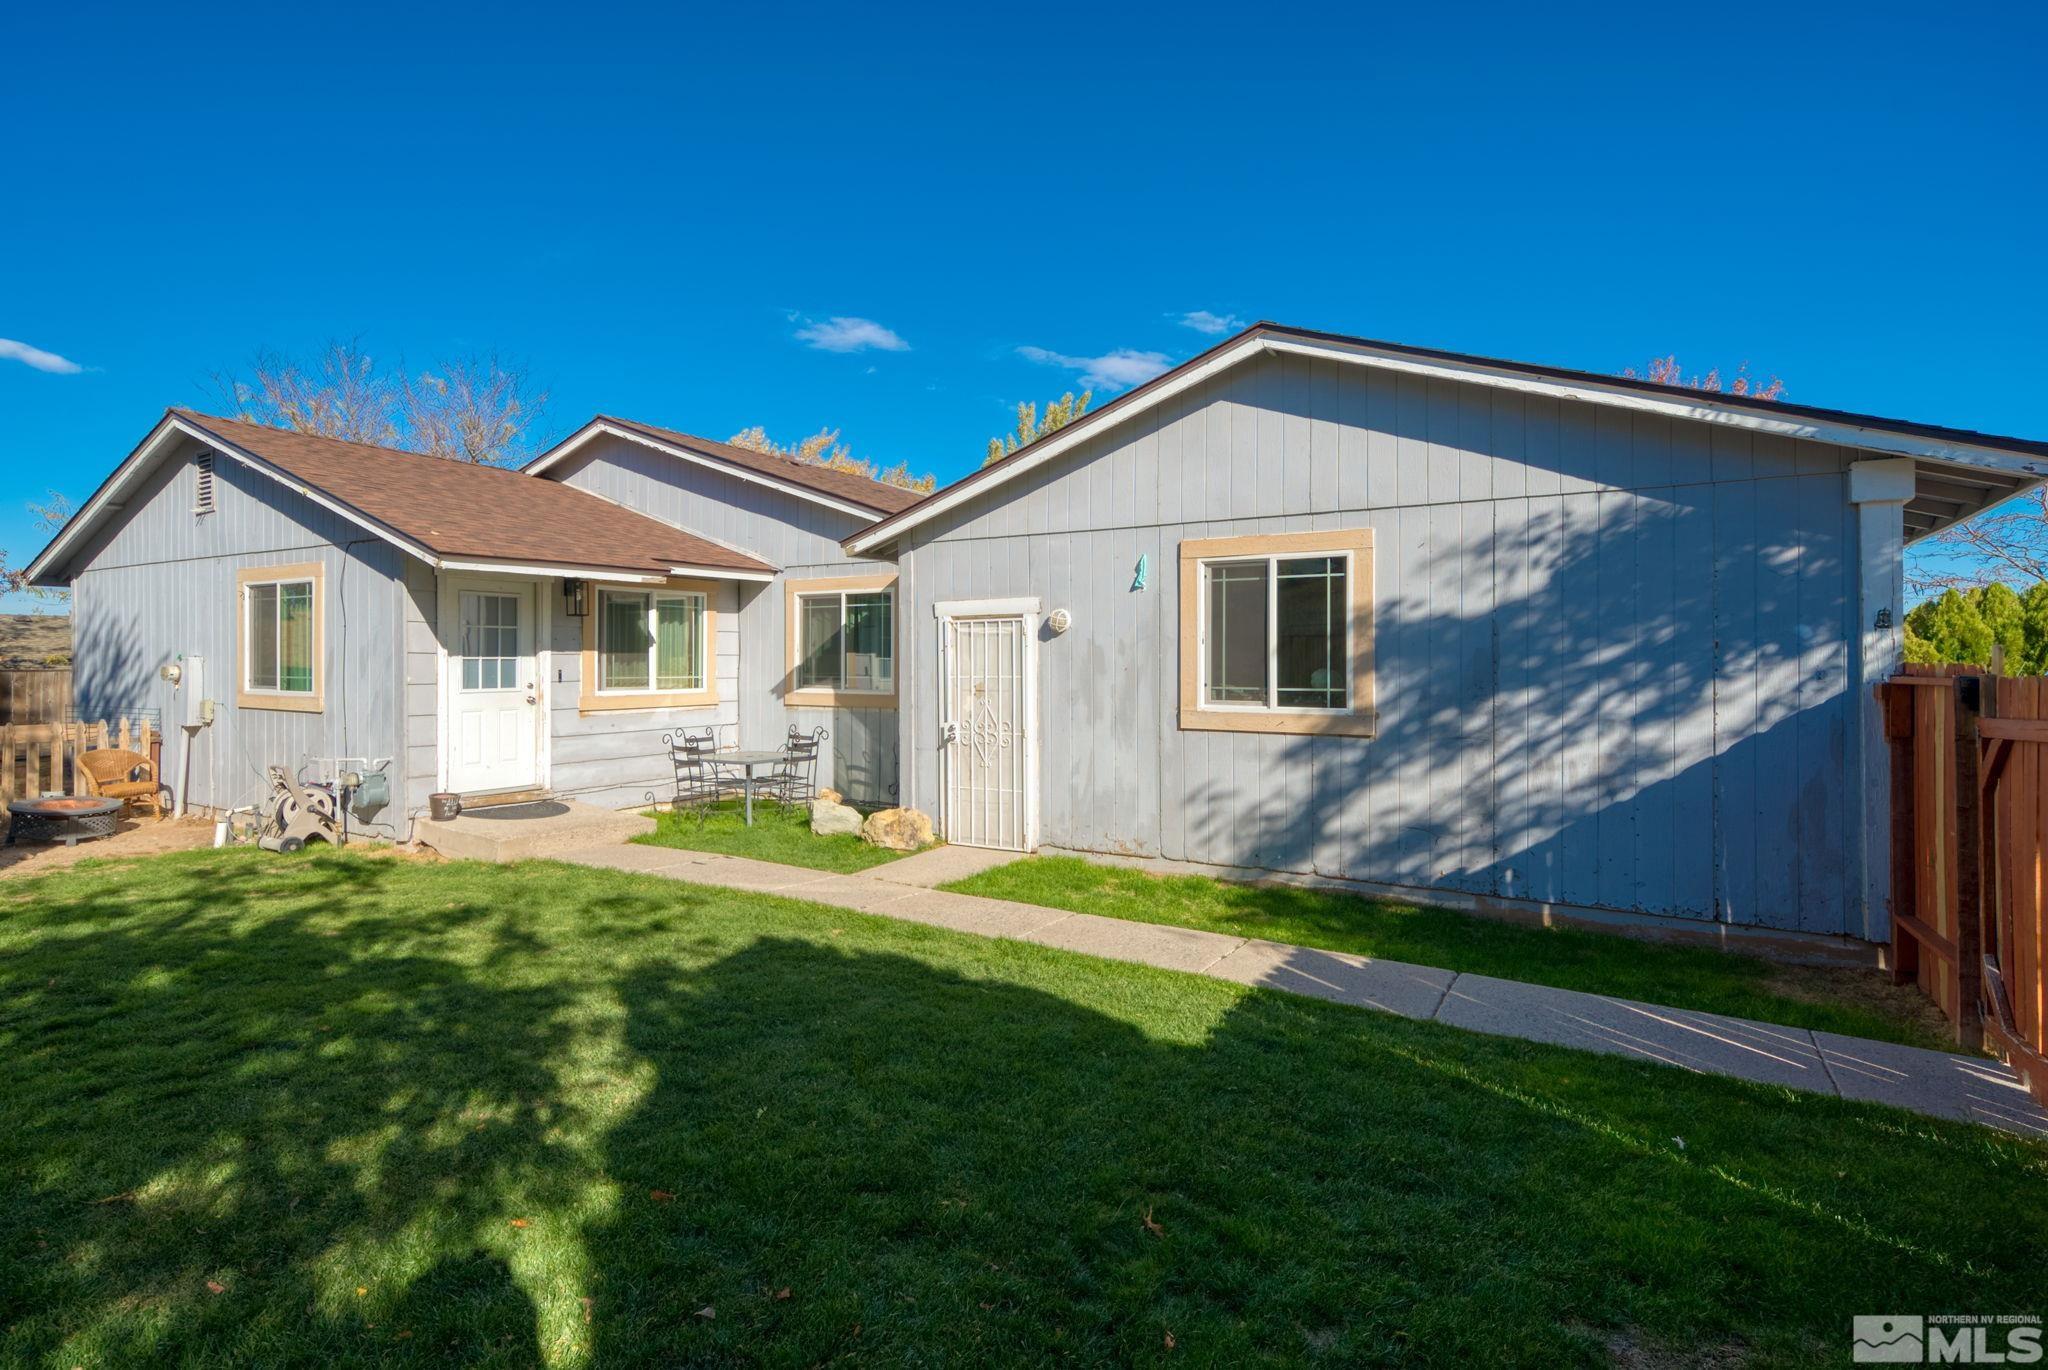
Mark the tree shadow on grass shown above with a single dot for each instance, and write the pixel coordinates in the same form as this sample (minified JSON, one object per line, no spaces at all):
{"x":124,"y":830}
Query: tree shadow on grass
{"x":487,"y":1116}
{"x":253,"y":1127}
{"x":862,"y":1154}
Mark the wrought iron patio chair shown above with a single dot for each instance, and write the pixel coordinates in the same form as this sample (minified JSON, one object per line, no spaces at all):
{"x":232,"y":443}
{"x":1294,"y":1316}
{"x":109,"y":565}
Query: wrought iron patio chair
{"x":795,"y":778}
{"x":700,"y":782}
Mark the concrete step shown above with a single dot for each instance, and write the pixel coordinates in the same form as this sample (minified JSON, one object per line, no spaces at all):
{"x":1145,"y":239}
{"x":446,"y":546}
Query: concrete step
{"x":524,"y":832}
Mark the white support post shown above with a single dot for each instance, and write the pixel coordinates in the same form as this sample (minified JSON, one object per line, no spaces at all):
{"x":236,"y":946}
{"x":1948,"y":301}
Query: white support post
{"x":1879,"y":489}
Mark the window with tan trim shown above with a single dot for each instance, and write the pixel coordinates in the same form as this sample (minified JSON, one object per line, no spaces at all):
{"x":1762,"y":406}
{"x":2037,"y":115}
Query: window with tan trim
{"x":281,"y":637}
{"x":650,"y":648}
{"x":841,"y":642}
{"x":1276,"y":633}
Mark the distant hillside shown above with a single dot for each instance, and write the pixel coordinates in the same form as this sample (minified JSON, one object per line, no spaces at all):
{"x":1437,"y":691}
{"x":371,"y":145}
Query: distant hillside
{"x":28,"y":641}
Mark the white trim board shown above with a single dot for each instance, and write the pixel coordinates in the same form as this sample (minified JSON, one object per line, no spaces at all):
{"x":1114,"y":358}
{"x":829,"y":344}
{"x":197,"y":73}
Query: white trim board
{"x":1728,"y":412}
{"x":602,"y":428}
{"x":986,"y":608}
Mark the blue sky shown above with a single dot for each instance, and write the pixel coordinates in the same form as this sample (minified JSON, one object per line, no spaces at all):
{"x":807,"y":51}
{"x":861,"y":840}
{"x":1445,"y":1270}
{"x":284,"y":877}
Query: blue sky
{"x":659,"y":210}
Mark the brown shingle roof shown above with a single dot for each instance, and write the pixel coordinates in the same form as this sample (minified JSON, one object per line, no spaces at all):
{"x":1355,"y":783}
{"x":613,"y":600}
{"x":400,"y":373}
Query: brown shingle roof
{"x":869,"y":494}
{"x":458,"y":510}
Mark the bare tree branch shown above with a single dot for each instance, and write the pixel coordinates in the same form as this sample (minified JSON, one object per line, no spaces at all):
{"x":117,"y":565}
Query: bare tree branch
{"x":469,"y":408}
{"x":340,"y":395}
{"x":475,"y":409}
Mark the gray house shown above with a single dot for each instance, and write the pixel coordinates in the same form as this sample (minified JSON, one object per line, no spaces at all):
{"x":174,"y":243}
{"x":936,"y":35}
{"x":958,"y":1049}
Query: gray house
{"x":474,"y":629}
{"x":1505,"y":633}
{"x":1499,"y":633}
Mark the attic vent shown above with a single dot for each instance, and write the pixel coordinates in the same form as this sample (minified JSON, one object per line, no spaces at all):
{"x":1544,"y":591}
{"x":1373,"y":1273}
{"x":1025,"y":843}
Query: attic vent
{"x":202,"y":484}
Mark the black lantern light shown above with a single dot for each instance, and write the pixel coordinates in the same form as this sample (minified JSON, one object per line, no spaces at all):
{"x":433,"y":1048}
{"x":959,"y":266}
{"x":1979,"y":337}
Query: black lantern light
{"x":575,"y":596}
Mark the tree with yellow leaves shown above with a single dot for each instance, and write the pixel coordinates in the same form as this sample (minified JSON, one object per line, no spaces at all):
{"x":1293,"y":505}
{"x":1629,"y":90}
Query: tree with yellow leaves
{"x":1030,"y":427}
{"x":823,"y":448}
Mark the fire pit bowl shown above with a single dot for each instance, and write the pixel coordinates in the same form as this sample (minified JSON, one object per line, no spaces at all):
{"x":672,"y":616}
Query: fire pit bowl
{"x":69,"y":819}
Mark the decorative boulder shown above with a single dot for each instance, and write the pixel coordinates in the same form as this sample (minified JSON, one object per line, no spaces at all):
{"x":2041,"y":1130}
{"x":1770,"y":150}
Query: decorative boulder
{"x":897,"y":829}
{"x":832,"y":819}
{"x":827,"y":793}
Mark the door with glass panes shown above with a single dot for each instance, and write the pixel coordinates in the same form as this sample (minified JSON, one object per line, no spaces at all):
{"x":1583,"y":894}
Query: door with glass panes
{"x":494,"y":708}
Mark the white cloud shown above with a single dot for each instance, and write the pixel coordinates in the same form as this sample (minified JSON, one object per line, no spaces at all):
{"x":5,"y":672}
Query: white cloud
{"x":1202,"y":321}
{"x":1117,"y":370}
{"x":10,"y":350}
{"x":841,"y":334}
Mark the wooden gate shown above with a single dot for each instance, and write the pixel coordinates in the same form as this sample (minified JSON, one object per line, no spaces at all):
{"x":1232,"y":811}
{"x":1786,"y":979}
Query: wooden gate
{"x":1969,"y":802}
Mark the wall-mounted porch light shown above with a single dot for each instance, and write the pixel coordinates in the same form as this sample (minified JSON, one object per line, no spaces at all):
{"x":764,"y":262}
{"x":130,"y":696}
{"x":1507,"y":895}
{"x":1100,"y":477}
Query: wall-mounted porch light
{"x":575,"y":597}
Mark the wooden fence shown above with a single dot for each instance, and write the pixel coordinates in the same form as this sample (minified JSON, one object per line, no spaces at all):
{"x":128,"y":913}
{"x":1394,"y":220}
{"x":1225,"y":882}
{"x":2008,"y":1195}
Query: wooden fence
{"x":1969,"y":803}
{"x":36,"y":758}
{"x":35,"y":696}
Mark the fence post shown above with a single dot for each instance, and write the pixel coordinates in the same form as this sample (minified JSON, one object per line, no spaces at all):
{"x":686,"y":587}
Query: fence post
{"x":1898,"y":730}
{"x":1971,"y":821}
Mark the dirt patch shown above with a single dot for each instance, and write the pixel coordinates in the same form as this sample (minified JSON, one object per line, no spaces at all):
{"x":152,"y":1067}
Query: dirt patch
{"x":134,"y":837}
{"x":1631,"y":1352}
{"x":1871,"y":989}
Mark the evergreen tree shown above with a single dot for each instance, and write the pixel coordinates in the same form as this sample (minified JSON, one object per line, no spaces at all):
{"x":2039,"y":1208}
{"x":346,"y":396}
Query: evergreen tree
{"x":2034,"y":631}
{"x":2000,"y":609}
{"x":1952,"y":628}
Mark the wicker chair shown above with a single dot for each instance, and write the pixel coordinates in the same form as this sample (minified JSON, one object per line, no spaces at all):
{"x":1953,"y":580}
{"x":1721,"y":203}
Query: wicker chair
{"x":111,"y":773}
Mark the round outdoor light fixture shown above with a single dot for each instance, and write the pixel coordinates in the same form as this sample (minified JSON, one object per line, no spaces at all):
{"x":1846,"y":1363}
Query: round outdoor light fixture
{"x":1059,"y":620}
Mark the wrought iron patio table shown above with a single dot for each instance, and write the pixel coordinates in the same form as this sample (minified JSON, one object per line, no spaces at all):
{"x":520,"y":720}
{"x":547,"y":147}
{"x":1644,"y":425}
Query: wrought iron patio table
{"x":746,"y":763}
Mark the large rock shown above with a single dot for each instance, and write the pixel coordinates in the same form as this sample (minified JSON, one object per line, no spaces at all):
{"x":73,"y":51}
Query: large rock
{"x":829,"y":819}
{"x":897,"y":829}
{"x":827,"y":792}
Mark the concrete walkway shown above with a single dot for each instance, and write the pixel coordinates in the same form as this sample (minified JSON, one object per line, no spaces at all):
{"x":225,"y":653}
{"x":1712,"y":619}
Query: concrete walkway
{"x":1970,"y":1088}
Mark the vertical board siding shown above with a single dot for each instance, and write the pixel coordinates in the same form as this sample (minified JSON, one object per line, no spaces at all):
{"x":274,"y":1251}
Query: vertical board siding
{"x":160,"y":584}
{"x":860,"y":754}
{"x":1614,"y":651}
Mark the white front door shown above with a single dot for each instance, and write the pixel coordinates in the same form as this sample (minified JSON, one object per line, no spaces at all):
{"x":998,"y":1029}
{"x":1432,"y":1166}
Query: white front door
{"x":990,"y":785}
{"x":494,"y":709}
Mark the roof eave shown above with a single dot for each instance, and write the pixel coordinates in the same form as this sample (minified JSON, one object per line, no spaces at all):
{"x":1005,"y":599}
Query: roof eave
{"x":1837,"y":428}
{"x":136,"y":465}
{"x":605,"y":425}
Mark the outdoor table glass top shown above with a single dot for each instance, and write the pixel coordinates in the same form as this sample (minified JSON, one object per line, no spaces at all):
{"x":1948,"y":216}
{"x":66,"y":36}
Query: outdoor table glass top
{"x":746,"y":762}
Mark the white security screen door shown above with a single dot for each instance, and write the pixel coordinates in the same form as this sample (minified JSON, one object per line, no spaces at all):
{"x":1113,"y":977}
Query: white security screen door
{"x":494,"y":710}
{"x":986,"y":668}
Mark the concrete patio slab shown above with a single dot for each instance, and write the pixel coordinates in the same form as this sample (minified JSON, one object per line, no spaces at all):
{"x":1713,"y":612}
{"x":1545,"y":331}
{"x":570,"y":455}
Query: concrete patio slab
{"x":943,"y":865}
{"x":1967,"y":1087}
{"x":524,"y":832}
{"x":1390,"y":986}
{"x":1152,"y":944}
{"x":1704,"y":1042}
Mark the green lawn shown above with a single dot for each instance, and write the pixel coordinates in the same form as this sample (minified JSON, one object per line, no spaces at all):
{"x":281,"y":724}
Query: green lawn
{"x":1861,"y":1003}
{"x":351,"y":1110}
{"x":779,"y":834}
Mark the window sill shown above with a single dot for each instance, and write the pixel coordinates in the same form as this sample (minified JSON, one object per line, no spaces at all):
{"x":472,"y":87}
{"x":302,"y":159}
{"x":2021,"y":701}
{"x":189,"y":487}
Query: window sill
{"x":1363,"y":723}
{"x":281,"y":703}
{"x":816,"y":698}
{"x":665,"y":699}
